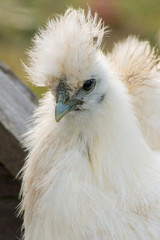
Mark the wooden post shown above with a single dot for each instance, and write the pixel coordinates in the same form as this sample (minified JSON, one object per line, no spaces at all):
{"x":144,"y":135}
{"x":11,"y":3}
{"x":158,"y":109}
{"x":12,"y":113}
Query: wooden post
{"x":17,"y":103}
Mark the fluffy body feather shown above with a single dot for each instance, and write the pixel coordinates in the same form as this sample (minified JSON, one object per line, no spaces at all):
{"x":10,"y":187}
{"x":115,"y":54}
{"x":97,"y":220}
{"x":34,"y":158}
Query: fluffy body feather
{"x":139,"y":68}
{"x":94,"y":175}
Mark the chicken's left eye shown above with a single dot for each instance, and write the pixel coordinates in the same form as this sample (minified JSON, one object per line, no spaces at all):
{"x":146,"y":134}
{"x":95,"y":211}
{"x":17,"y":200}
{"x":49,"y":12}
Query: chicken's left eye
{"x":89,"y":84}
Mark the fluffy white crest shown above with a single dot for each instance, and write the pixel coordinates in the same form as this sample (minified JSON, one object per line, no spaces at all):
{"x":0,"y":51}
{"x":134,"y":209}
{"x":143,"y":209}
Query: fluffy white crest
{"x":65,"y":47}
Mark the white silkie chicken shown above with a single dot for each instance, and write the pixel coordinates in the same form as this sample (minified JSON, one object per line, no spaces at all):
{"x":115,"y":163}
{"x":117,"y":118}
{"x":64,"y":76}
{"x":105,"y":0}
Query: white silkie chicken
{"x":93,"y":168}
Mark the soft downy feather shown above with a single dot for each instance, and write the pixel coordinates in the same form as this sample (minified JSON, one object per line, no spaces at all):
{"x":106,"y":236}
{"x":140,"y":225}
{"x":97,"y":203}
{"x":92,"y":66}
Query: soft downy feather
{"x":138,"y":65}
{"x":94,"y":176}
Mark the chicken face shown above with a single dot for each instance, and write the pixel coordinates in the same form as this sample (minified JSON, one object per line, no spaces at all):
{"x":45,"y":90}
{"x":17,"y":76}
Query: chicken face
{"x":89,"y":95}
{"x":66,"y":101}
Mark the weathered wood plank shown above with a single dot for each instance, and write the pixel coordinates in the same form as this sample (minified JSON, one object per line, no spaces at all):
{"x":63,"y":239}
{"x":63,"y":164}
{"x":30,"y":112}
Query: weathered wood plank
{"x":17,"y":103}
{"x":9,"y":186}
{"x":10,"y":225}
{"x":11,"y":154}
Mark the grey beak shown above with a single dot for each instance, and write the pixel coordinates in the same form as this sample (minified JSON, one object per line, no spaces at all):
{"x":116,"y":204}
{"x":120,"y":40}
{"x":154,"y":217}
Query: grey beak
{"x":61,"y":110}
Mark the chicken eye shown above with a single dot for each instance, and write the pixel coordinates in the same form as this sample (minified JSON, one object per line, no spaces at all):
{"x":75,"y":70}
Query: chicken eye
{"x":89,"y":84}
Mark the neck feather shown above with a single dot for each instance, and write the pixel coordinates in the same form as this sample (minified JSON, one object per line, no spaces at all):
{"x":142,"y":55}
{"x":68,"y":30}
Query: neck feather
{"x":113,"y":144}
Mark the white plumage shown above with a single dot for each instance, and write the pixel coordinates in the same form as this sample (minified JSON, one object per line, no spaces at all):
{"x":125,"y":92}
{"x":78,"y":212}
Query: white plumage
{"x":95,"y":173}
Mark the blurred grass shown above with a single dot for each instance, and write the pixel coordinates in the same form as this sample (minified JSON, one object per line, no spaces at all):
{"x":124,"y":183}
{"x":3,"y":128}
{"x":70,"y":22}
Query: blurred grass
{"x":19,"y":20}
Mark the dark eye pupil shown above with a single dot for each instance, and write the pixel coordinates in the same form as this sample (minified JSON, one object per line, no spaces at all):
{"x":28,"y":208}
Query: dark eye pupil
{"x":88,"y":85}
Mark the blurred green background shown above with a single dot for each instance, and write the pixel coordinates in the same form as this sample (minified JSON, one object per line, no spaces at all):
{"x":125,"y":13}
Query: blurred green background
{"x":19,"y":20}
